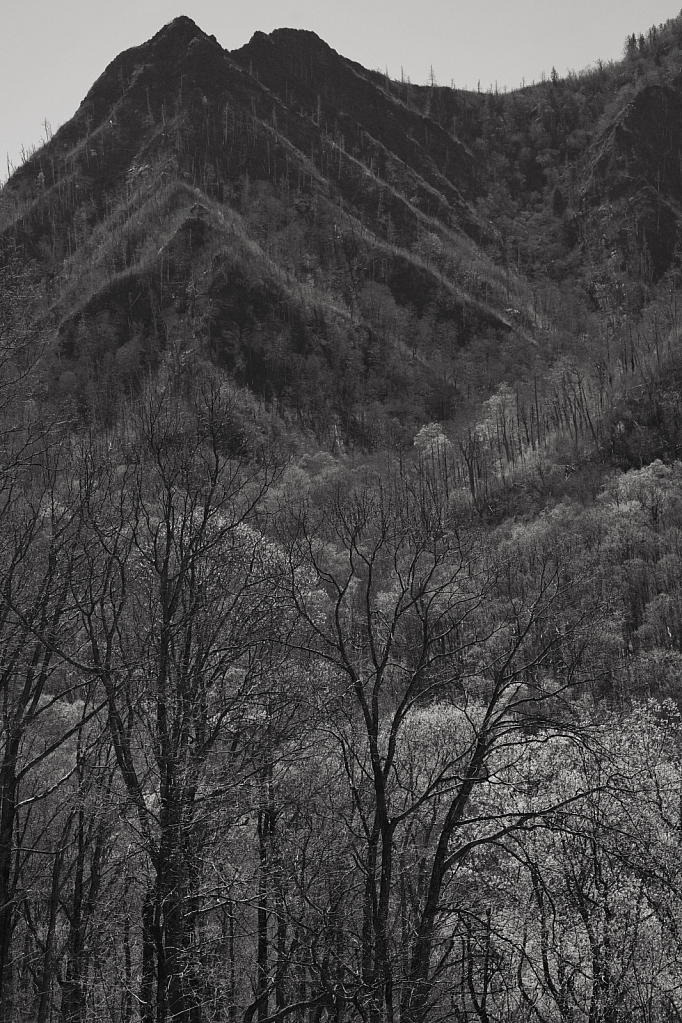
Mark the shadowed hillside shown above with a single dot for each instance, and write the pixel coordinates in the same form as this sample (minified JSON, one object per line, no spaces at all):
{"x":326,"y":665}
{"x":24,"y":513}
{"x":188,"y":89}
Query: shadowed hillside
{"x":364,"y":255}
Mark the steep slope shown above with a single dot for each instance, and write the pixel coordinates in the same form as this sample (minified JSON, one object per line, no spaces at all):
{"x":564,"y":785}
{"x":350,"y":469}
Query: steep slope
{"x":364,"y":255}
{"x":637,"y":166}
{"x":363,"y":116}
{"x":298,"y":219}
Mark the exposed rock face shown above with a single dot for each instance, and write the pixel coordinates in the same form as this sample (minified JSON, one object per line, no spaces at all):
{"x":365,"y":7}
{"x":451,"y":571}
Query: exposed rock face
{"x":638,"y":165}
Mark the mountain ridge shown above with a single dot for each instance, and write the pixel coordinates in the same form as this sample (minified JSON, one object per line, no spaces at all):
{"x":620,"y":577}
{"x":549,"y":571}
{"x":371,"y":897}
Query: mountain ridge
{"x":303,"y":219}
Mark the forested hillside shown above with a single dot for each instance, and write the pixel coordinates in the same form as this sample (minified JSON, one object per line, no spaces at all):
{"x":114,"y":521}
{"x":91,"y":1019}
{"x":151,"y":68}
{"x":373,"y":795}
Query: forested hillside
{"x":341,"y":545}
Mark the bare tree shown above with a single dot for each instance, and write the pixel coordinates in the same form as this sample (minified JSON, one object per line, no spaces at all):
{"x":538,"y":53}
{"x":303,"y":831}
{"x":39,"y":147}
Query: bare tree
{"x":180,"y":613}
{"x":415,"y":613}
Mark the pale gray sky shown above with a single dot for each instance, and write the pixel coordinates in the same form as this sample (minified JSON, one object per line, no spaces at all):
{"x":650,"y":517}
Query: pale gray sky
{"x":51,"y":53}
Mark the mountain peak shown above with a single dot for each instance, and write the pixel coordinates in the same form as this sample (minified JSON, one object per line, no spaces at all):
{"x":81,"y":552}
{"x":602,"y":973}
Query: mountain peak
{"x":177,"y":36}
{"x":302,"y":34}
{"x":182,"y":27}
{"x":292,"y":40}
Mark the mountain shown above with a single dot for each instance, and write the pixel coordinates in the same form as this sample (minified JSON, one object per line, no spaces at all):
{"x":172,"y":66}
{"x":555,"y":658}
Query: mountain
{"x":364,"y":256}
{"x":340,"y":560}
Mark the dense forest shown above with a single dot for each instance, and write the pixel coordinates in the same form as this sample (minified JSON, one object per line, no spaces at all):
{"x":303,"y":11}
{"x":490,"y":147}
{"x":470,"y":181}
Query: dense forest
{"x":341,"y":545}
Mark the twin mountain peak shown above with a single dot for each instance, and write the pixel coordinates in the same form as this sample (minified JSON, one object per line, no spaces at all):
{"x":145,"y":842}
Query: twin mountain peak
{"x":337,"y":239}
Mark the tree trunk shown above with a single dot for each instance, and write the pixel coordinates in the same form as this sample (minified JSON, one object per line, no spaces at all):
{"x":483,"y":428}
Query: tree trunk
{"x":73,"y":988}
{"x":264,"y":834}
{"x":45,"y":1000}
{"x":7,"y":815}
{"x":148,"y":955}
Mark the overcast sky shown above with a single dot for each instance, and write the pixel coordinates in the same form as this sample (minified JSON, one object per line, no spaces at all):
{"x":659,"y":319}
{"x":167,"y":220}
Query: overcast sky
{"x":51,"y":53}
